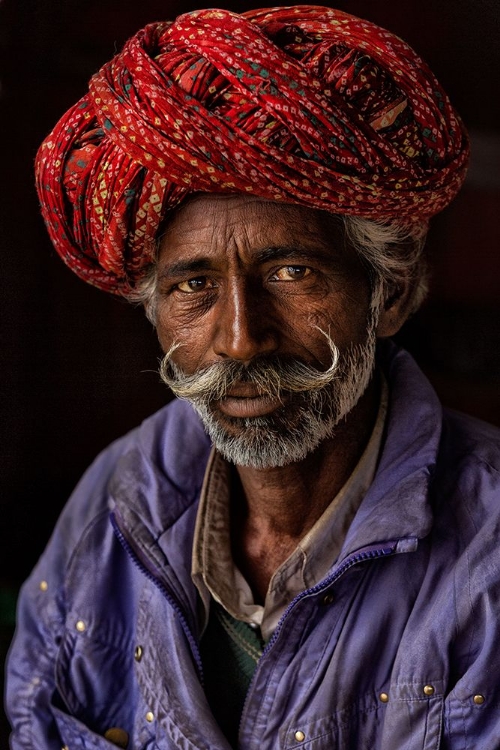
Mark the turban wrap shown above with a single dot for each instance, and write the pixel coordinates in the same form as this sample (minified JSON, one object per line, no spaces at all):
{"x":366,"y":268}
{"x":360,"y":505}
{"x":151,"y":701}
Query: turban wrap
{"x":303,"y":105}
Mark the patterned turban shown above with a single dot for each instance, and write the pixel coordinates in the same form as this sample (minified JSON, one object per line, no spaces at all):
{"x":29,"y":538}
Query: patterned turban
{"x":303,"y":105}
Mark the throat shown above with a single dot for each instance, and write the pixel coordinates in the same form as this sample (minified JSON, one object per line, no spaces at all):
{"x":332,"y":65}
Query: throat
{"x":266,"y":532}
{"x":272,"y":510}
{"x":258,"y":556}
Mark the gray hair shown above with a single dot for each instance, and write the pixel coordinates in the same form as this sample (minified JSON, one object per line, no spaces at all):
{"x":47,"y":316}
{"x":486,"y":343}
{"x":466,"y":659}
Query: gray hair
{"x":391,"y":254}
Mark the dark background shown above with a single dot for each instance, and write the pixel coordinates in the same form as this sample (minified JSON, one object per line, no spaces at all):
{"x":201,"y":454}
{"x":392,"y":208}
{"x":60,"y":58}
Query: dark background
{"x":78,"y":367}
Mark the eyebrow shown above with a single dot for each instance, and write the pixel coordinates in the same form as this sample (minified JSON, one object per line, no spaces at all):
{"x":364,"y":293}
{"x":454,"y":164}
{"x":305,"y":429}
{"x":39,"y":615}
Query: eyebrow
{"x":289,"y":252}
{"x":181,"y":268}
{"x":204,"y":264}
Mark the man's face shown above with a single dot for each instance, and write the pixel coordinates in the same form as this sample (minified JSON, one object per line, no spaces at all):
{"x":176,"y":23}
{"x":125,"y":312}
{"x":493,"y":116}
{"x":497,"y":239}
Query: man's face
{"x":256,"y":299}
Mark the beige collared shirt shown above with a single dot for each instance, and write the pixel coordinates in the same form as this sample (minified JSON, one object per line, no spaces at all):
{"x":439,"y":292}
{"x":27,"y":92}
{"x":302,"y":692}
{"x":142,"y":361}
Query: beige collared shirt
{"x":213,"y":569}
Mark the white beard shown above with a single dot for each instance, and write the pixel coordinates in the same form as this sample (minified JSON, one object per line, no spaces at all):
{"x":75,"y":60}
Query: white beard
{"x":295,"y":429}
{"x":281,"y":438}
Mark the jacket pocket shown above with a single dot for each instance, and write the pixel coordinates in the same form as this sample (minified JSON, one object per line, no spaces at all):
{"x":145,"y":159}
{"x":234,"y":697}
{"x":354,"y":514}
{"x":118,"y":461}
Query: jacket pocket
{"x":77,"y":736}
{"x":404,"y":722}
{"x":414,"y":719}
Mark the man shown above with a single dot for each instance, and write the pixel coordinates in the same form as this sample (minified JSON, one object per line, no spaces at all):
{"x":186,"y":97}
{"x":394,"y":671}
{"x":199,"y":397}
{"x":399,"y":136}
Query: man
{"x":308,"y":558}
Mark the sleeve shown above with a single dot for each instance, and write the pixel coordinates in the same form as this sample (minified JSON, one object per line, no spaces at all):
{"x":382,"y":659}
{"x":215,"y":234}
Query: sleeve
{"x":31,"y":682}
{"x":472,"y":708}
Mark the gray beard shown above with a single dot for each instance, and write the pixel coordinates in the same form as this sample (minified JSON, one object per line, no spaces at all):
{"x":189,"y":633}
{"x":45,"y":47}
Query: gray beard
{"x":298,"y":427}
{"x":294,"y":430}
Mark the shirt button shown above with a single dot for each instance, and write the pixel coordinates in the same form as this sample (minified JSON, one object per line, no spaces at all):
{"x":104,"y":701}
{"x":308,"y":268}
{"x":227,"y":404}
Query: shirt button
{"x":44,"y":585}
{"x":117,"y":736}
{"x":80,"y":626}
{"x":300,"y":736}
{"x":138,"y":653}
{"x":384,"y":697}
{"x":150,"y":716}
{"x":327,"y":599}
{"x":479,"y":699}
{"x":428,"y":690}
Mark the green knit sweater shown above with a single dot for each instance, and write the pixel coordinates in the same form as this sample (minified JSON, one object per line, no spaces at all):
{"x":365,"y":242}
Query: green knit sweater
{"x":230,"y":650}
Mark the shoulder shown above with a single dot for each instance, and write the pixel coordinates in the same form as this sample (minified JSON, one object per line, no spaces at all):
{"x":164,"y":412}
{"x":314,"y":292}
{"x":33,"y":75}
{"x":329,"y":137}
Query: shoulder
{"x":168,"y":451}
{"x":466,"y":497}
{"x":470,"y":438}
{"x":167,"y":445}
{"x":468,"y":465}
{"x":152,"y":464}
{"x":460,"y":454}
{"x":463,"y":450}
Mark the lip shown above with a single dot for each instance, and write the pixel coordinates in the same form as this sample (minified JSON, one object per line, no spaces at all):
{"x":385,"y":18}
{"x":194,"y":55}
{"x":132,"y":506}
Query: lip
{"x":253,"y":405}
{"x":243,"y":390}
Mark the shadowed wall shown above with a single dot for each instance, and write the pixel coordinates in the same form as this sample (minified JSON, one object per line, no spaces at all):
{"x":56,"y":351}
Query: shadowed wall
{"x":78,"y":367}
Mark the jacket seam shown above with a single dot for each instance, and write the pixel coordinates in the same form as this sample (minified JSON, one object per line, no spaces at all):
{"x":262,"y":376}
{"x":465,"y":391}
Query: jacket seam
{"x":103,"y":513}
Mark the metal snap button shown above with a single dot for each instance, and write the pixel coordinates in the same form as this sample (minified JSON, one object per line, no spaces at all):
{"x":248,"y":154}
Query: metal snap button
{"x":117,"y":736}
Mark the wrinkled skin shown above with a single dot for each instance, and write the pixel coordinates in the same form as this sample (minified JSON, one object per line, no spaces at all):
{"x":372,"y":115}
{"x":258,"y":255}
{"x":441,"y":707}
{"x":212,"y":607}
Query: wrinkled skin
{"x":241,"y":278}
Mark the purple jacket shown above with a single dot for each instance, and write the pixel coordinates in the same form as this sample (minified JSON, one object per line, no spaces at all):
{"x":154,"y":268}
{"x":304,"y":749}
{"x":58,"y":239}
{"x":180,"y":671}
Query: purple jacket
{"x":397,"y":649}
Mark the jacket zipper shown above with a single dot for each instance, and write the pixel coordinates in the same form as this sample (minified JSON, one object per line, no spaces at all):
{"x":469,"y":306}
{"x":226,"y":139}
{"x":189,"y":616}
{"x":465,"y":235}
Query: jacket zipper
{"x":369,"y":553}
{"x":133,"y":555}
{"x":361,"y":556}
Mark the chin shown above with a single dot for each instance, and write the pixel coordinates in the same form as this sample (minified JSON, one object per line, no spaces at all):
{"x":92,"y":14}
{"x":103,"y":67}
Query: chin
{"x":269,"y":441}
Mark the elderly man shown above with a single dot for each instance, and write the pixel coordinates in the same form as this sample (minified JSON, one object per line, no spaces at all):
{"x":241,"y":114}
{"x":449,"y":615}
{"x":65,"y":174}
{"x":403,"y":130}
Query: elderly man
{"x":308,"y":557}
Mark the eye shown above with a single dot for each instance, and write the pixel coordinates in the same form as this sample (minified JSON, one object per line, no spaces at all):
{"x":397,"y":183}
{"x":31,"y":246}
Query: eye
{"x":291,"y":273}
{"x":197,"y":284}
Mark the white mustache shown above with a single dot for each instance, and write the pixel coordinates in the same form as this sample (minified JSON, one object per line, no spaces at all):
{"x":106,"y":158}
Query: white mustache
{"x":270,"y":375}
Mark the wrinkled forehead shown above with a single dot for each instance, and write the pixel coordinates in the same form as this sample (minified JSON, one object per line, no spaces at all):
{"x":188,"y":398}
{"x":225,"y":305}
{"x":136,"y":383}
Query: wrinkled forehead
{"x":215,"y":216}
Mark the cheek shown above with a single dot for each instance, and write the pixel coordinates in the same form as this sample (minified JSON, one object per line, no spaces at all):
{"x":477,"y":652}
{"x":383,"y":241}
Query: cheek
{"x":343,"y":317}
{"x":164,"y":329}
{"x":192,"y":336}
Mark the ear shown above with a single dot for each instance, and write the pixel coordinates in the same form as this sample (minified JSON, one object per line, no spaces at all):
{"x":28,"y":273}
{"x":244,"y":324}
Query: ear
{"x":395,"y":308}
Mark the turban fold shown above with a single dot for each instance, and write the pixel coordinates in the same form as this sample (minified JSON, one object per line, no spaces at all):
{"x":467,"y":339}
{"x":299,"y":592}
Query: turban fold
{"x":303,"y":105}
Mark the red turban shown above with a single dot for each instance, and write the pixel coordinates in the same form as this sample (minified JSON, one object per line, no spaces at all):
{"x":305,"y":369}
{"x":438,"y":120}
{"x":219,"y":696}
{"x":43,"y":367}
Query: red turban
{"x":304,"y":105}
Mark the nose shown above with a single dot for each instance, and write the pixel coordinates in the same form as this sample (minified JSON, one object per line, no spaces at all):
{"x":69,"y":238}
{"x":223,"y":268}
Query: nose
{"x":245,"y":325}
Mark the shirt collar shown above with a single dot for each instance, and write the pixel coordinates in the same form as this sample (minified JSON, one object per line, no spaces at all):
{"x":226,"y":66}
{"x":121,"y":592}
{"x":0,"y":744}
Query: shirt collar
{"x":213,"y":569}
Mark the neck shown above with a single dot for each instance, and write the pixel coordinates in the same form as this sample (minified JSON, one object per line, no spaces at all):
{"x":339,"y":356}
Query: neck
{"x":272,"y":509}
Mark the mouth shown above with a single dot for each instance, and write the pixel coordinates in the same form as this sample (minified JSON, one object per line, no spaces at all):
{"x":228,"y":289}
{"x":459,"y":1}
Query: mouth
{"x":245,"y":401}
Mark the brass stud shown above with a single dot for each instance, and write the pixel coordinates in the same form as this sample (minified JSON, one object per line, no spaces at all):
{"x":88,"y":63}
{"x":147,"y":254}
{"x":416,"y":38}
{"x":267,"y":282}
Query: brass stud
{"x":384,"y":697}
{"x":428,"y":690}
{"x":300,"y":736}
{"x":80,"y":626}
{"x":479,"y":699}
{"x":117,"y":736}
{"x":150,"y":716}
{"x":327,"y":599}
{"x":44,"y":585}
{"x":138,"y":653}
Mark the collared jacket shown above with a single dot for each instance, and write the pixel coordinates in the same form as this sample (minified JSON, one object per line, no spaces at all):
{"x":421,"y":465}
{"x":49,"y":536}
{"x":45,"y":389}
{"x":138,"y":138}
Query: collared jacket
{"x":398,"y":648}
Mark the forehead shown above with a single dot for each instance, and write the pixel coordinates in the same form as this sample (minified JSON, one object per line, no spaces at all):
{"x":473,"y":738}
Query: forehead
{"x":207,"y":222}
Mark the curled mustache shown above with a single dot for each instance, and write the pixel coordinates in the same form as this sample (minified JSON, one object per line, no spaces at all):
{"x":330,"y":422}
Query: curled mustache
{"x":271,"y":376}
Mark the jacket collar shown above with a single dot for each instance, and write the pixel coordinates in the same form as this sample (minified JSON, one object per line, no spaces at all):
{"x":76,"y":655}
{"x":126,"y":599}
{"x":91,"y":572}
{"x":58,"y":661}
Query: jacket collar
{"x":397,"y":505}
